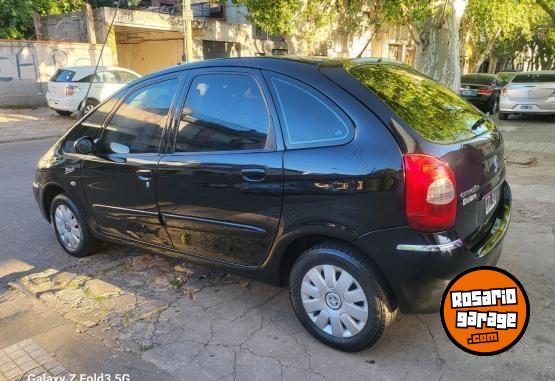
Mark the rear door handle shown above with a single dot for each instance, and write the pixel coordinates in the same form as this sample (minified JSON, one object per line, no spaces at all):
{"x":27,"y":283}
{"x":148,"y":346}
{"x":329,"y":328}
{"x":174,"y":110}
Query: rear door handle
{"x":253,"y":174}
{"x":144,"y":174}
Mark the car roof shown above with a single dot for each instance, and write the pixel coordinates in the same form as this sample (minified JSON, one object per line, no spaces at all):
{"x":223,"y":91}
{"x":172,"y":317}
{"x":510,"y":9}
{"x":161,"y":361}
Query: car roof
{"x":279,"y":64}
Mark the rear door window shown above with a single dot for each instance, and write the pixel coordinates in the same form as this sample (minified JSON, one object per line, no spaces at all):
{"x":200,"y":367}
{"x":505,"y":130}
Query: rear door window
{"x":309,"y":118}
{"x":432,"y":110}
{"x":223,"y":112}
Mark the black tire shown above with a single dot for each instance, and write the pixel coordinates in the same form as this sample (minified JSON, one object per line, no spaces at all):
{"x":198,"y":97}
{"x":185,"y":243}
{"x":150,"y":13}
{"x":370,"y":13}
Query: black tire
{"x":89,"y":104}
{"x":63,"y":113}
{"x":503,"y":116}
{"x":493,"y":107}
{"x":88,"y":244}
{"x":381,"y":309}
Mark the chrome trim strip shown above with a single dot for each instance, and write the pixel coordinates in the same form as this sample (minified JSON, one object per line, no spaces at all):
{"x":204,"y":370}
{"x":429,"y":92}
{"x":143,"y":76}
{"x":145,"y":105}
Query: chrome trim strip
{"x":210,"y":221}
{"x":35,"y":185}
{"x":120,"y":209}
{"x":444,"y":247}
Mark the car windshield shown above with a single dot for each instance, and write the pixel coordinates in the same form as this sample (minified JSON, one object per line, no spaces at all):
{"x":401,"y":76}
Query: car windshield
{"x":431,"y":109}
{"x":534,"y":77}
{"x":482,"y":79}
{"x":63,"y":75}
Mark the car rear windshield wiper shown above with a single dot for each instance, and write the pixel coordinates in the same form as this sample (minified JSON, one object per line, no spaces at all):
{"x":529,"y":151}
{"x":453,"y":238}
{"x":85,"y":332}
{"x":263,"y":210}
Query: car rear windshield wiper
{"x":480,"y":121}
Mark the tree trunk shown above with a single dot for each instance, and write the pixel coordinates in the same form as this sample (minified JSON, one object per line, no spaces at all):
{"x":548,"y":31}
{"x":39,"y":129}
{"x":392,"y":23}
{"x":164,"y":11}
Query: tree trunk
{"x":438,"y":54}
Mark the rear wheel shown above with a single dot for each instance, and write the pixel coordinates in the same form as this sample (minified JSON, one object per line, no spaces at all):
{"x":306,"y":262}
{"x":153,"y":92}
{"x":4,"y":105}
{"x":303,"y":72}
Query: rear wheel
{"x":63,"y":113}
{"x":503,"y":116}
{"x":340,"y":297}
{"x":71,"y":228}
{"x":90,"y":104}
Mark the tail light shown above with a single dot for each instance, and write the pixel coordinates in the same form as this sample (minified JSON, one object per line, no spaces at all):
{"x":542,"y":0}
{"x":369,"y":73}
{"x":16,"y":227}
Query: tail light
{"x":504,"y":91}
{"x":430,"y":193}
{"x":485,"y":91}
{"x":69,"y":90}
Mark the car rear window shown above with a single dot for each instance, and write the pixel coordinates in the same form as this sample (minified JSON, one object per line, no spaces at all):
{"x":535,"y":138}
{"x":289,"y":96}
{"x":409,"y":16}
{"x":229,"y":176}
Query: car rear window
{"x":431,"y":109}
{"x":477,"y":78}
{"x":534,"y":77}
{"x":63,"y":75}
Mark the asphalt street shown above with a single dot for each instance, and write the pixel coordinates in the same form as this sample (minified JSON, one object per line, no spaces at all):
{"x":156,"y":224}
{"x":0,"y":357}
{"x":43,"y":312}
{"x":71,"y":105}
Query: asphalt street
{"x":415,"y":347}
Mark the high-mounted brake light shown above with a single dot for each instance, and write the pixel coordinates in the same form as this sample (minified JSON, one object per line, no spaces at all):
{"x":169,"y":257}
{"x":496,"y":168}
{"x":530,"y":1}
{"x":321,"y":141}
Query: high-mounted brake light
{"x":430,"y":193}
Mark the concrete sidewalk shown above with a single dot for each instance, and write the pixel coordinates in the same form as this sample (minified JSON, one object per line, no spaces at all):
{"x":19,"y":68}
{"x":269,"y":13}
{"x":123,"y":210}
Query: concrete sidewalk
{"x":32,"y":124}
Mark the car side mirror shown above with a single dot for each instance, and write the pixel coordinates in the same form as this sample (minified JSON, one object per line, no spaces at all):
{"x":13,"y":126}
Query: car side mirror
{"x":119,"y":148}
{"x":84,"y":145}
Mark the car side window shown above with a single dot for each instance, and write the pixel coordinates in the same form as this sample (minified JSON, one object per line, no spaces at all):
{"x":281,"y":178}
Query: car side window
{"x":90,"y":126}
{"x":223,"y":112}
{"x":125,"y":76}
{"x":309,"y":118}
{"x":137,"y":125}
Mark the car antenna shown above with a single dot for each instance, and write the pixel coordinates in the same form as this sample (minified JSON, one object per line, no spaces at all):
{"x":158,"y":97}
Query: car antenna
{"x":81,"y":112}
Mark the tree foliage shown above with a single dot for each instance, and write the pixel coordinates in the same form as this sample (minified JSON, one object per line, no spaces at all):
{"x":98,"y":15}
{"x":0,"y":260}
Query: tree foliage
{"x":15,"y":18}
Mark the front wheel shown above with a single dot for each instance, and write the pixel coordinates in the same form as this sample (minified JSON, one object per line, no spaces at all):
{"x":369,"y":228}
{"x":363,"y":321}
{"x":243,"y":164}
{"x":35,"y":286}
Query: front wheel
{"x":71,"y":228}
{"x":494,"y":106}
{"x":340,"y":297}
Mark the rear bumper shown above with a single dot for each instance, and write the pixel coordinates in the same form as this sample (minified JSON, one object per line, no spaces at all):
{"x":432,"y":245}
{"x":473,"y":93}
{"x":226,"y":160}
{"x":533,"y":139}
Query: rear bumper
{"x":70,"y":103}
{"x":419,"y":266}
{"x":527,"y":107}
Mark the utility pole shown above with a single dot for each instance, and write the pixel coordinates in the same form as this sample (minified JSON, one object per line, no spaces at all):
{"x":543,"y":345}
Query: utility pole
{"x":187,"y":31}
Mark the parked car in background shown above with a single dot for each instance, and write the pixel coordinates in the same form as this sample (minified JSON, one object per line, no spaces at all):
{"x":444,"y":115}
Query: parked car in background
{"x":362,"y":185}
{"x":482,"y":90}
{"x":68,"y":87}
{"x":528,"y":93}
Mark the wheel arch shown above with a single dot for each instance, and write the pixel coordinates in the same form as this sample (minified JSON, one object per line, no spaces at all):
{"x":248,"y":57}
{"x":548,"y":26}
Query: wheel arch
{"x":294,"y":247}
{"x":50,"y":191}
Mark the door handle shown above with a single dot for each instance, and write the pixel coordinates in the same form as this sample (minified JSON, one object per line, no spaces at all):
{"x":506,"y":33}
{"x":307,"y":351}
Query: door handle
{"x":253,"y":174}
{"x":144,"y":174}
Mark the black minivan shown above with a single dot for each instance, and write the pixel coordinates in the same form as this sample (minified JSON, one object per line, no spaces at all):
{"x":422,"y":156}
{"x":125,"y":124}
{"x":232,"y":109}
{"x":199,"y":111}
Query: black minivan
{"x":362,"y":185}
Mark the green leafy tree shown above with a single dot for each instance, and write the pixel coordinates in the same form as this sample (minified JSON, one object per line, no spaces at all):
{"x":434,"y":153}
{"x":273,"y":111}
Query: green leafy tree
{"x":487,"y":22}
{"x":301,"y":22}
{"x":549,"y":7}
{"x":15,"y":19}
{"x":434,"y":26}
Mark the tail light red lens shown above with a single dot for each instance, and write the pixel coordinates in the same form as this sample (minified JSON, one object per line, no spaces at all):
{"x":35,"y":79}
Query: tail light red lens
{"x":430,"y":193}
{"x":485,"y":91}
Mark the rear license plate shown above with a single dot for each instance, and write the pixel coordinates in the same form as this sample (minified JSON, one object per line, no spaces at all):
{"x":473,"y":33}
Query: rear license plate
{"x":526,"y":107}
{"x":491,"y":199}
{"x":468,"y":92}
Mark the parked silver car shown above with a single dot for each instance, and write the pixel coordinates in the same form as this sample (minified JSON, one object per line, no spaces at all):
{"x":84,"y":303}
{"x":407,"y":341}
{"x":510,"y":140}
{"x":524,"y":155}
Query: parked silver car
{"x":528,"y":93}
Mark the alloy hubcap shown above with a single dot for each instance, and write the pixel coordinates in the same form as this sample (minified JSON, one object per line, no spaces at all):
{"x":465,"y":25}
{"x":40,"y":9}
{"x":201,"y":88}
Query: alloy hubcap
{"x":67,"y":227}
{"x":334,"y":301}
{"x":88,"y":108}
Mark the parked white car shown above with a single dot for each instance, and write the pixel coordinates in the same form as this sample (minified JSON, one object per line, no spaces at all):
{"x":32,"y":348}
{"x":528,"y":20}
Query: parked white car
{"x":68,"y":87}
{"x":528,"y":93}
